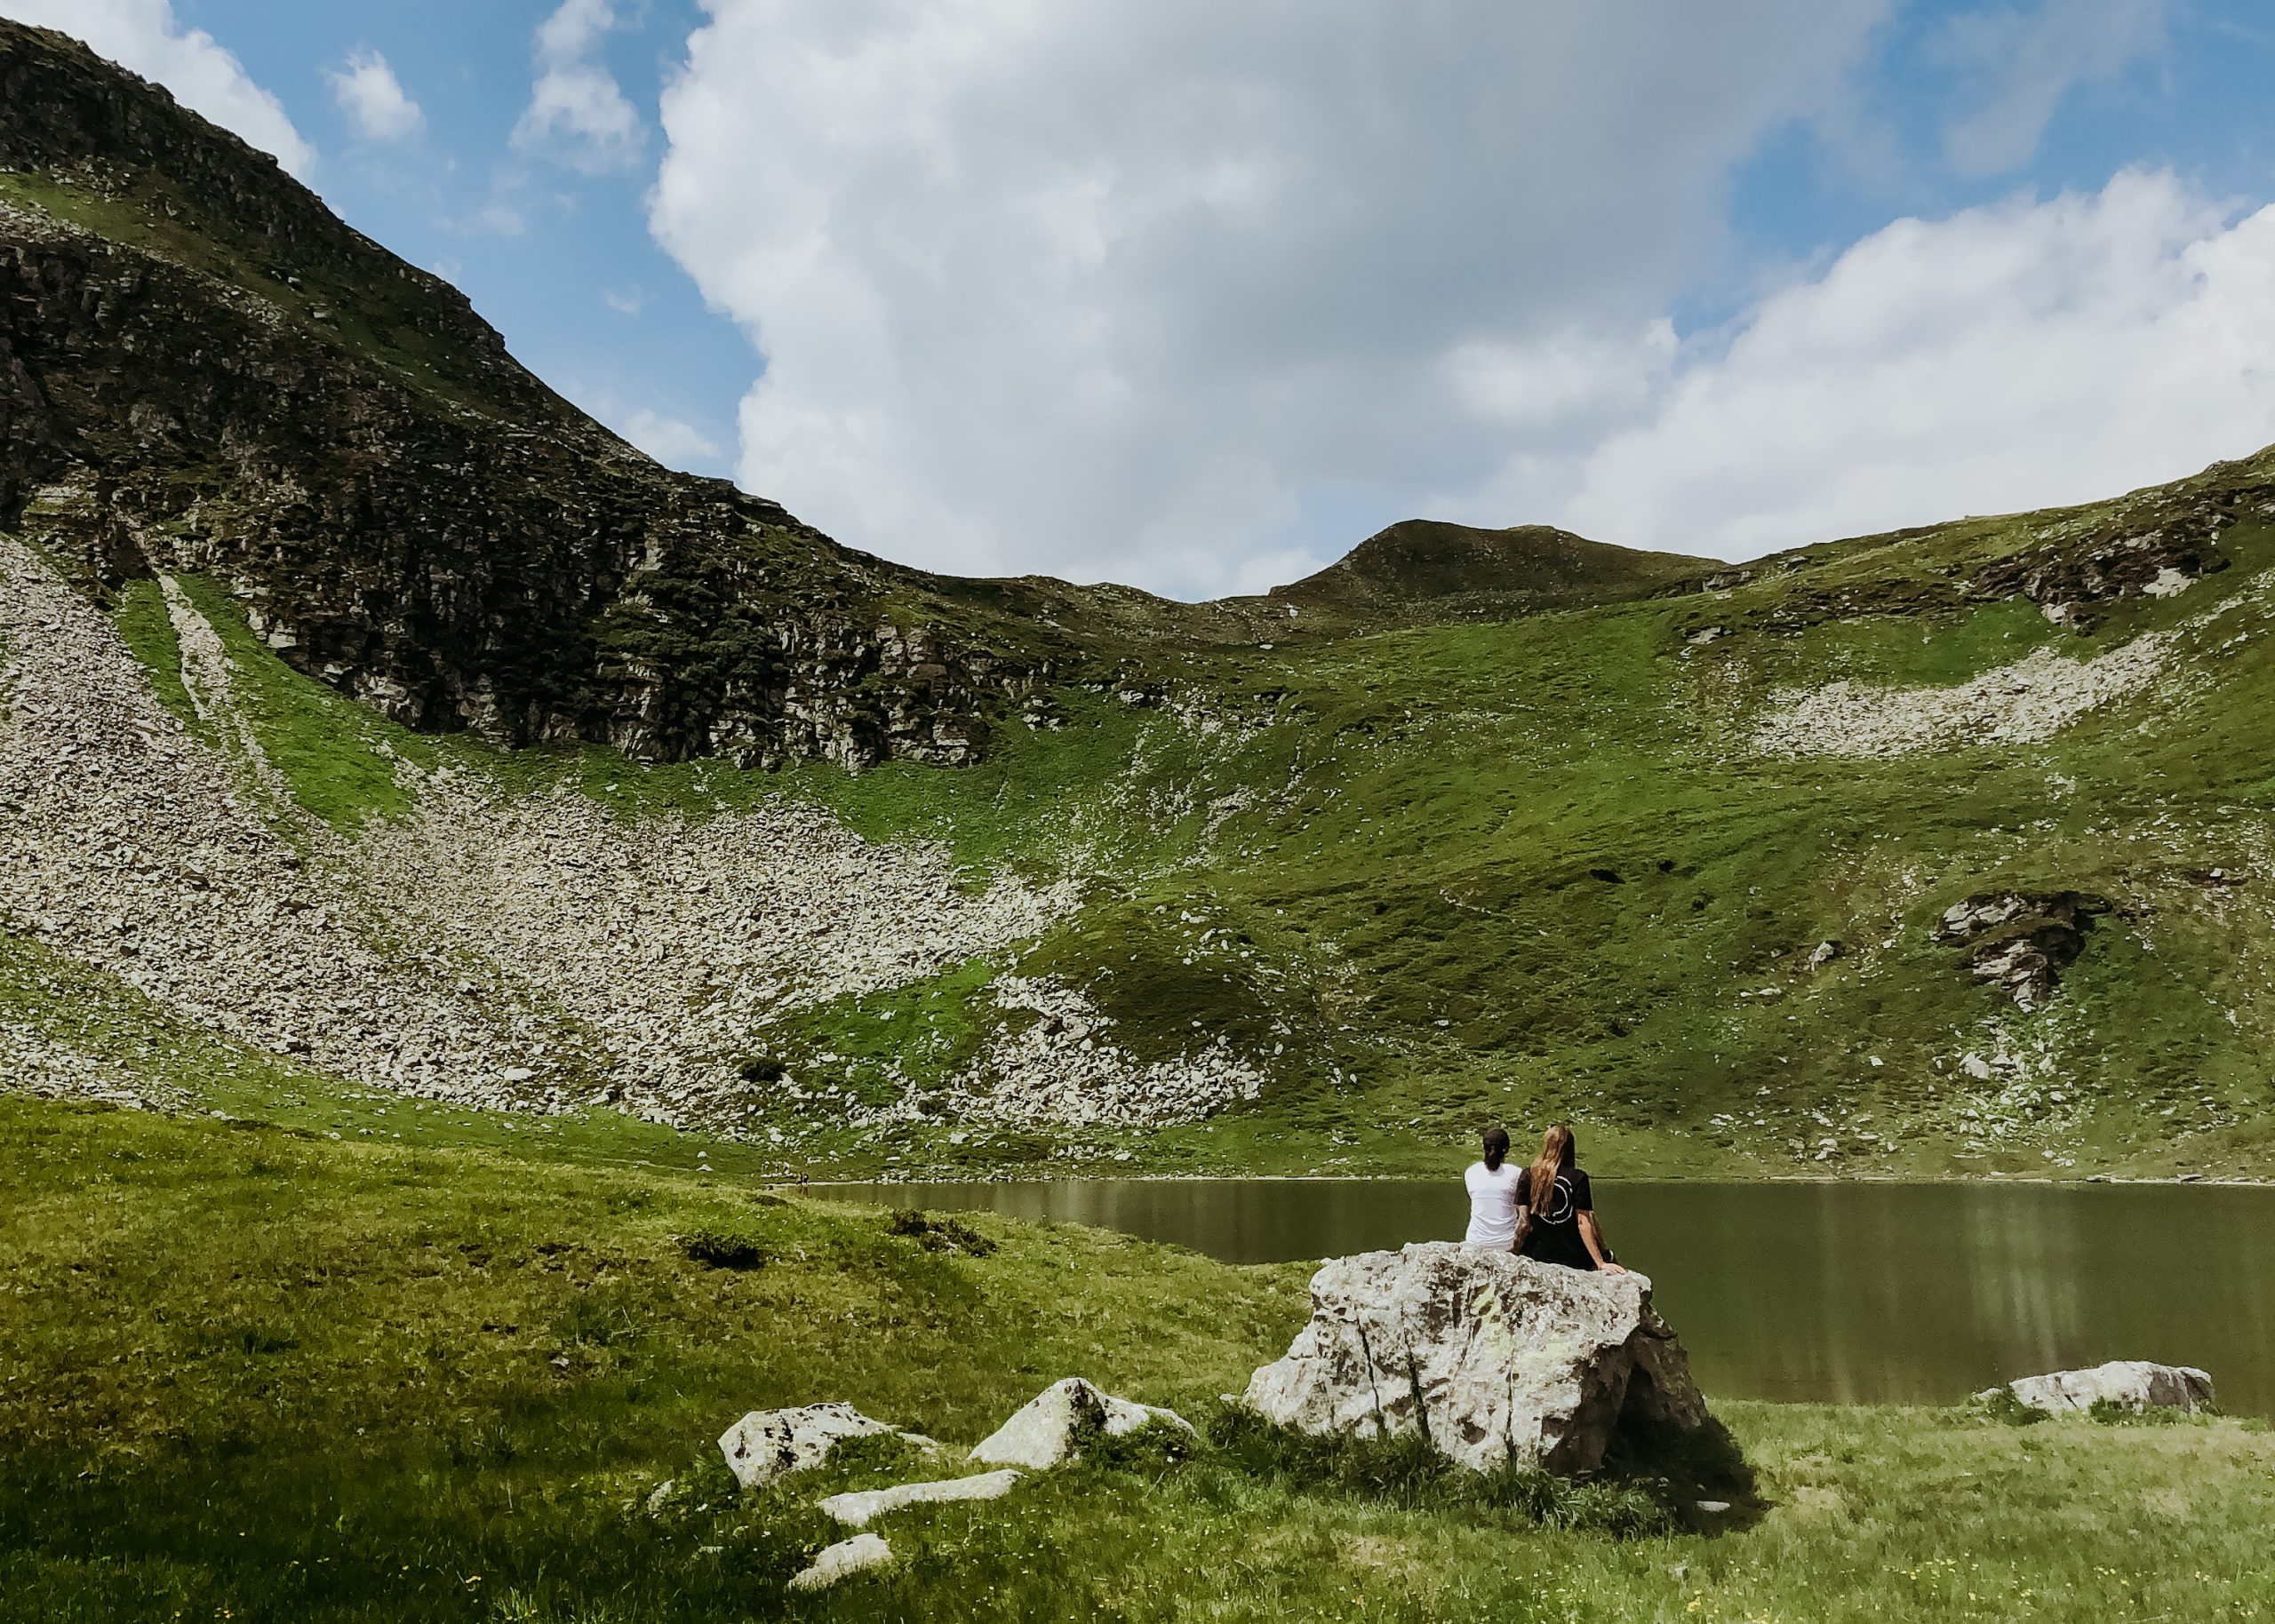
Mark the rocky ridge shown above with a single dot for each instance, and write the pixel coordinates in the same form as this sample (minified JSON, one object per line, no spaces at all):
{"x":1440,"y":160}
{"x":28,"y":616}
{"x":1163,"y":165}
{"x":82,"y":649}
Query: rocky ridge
{"x":203,"y":371}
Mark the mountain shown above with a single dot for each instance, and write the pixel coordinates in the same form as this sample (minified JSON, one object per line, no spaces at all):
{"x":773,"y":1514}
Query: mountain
{"x":1422,"y":571}
{"x":378,"y":728}
{"x":405,"y":511}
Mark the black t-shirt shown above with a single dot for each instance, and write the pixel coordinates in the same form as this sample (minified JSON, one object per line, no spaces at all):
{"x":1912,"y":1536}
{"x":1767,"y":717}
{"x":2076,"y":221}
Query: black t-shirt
{"x":1555,"y":1234}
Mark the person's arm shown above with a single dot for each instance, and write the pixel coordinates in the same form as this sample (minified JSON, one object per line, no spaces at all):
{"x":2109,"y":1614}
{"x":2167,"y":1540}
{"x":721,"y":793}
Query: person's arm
{"x":1524,"y":1228}
{"x":1592,"y":1235}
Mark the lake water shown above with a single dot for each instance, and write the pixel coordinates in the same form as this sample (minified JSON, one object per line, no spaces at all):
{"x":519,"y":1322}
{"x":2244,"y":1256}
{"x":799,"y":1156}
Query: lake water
{"x":1854,"y":1293}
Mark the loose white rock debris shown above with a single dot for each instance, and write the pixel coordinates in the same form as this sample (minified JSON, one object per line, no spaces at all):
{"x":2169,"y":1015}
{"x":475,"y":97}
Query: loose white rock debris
{"x":2031,"y":700}
{"x":128,"y":844}
{"x":1064,"y":1067}
{"x":521,"y":951}
{"x":671,"y":942}
{"x":862,"y":1507}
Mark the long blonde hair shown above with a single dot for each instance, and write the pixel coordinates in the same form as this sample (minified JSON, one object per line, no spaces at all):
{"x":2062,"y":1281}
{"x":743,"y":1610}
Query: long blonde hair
{"x":1556,"y":1154}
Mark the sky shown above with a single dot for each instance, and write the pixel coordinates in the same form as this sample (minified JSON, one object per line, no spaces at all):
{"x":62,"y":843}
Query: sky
{"x":1198,"y":294}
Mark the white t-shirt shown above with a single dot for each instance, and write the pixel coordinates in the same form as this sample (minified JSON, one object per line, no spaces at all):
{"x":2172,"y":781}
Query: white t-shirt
{"x":1494,"y":1193}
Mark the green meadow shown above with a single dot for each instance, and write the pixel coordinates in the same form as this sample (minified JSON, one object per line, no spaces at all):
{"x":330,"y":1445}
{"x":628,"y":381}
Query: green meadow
{"x":248,"y":1373}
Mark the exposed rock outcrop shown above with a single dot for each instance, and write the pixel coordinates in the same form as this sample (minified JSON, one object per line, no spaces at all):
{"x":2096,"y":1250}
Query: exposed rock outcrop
{"x":862,"y":1507}
{"x":2069,"y":579}
{"x":203,"y":371}
{"x":1493,"y":1358}
{"x":1054,"y":1425}
{"x":857,"y":1555}
{"x":2020,"y":940}
{"x":767,"y":1444}
{"x":2129,"y":1384}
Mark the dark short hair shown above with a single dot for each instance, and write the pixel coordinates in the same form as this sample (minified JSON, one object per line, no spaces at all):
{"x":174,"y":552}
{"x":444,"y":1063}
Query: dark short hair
{"x":1497,"y":1145}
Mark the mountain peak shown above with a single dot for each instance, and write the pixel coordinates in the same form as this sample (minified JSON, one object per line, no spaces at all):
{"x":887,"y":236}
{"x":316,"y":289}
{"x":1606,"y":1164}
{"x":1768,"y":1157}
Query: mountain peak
{"x":1430,"y":564}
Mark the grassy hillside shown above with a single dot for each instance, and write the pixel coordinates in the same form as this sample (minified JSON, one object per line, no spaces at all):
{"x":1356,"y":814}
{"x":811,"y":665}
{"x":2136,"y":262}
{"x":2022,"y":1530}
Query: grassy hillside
{"x":1421,"y":571}
{"x":1494,"y":826}
{"x":1546,"y":867}
{"x":255,"y":1375}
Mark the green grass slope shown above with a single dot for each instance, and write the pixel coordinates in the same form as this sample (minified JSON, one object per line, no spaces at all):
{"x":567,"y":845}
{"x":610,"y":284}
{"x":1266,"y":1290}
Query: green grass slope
{"x":254,"y":1374}
{"x":1445,"y":875}
{"x":1542,"y":868}
{"x":1485,"y":829}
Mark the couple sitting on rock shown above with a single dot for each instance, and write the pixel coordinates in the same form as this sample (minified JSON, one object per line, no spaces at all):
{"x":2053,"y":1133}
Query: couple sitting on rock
{"x":1543,"y":1212}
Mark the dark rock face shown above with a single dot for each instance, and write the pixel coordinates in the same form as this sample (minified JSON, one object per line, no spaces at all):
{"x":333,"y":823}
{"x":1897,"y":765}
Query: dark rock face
{"x":202,"y":370}
{"x":2019,"y":940}
{"x":2068,"y":580}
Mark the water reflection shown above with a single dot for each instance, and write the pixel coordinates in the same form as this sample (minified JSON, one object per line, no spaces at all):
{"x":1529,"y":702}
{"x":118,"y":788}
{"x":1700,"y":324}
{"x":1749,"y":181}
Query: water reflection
{"x":1859,"y":1292}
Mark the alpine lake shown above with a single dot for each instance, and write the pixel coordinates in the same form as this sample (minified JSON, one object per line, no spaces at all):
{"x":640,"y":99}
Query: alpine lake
{"x":1847,"y":1292}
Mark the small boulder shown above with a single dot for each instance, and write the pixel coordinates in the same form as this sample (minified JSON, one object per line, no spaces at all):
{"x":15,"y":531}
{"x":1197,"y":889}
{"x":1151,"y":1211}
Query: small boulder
{"x":2129,"y":1384}
{"x":1492,"y":1357}
{"x":865,"y":1506}
{"x":769,"y":1444}
{"x":863,"y":1550}
{"x":1057,"y":1422}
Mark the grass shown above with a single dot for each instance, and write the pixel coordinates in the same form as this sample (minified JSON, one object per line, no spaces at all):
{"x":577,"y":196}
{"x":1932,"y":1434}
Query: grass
{"x":255,"y":1375}
{"x":147,"y":629}
{"x":1453,"y":874}
{"x":339,"y":757}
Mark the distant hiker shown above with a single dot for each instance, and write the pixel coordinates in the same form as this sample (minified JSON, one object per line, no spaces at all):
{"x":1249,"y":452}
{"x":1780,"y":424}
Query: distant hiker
{"x":1558,"y":1211}
{"x":1495,"y":1191}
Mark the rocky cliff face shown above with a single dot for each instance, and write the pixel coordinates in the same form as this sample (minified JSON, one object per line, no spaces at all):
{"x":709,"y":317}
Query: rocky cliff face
{"x":200,"y":369}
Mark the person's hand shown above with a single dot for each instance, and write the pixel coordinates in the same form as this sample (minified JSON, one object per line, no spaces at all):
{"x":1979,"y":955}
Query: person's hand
{"x":1615,"y":1268}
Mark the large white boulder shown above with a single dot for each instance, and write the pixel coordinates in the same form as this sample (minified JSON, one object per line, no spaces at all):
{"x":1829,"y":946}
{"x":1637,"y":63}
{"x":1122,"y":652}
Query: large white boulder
{"x":2130,"y":1384}
{"x":863,"y":1507}
{"x":1493,"y":1356}
{"x":1057,"y":1422}
{"x":862,"y":1551}
{"x":769,"y":1444}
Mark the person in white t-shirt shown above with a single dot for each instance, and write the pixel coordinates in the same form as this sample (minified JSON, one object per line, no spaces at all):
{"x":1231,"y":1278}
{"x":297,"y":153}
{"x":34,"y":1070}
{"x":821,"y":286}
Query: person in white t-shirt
{"x":1497,"y":1192}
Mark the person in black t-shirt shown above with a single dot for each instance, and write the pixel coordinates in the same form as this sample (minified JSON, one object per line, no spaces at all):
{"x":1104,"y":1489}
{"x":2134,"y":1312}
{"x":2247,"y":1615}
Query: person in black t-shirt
{"x":1557,"y":1223}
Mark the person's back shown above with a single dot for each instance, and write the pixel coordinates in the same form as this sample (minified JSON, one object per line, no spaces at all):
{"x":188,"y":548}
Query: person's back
{"x":1559,"y":1219}
{"x":1495,"y":1191}
{"x":1555,"y":1235}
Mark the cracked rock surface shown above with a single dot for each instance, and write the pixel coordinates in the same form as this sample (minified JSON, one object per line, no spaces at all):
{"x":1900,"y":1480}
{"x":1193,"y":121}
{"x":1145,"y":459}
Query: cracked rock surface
{"x":1492,"y":1357}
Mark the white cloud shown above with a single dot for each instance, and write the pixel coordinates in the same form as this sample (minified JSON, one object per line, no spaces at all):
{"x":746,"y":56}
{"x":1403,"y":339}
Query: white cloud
{"x":499,"y":218}
{"x":625,"y":301}
{"x":669,"y":439}
{"x":373,"y":97}
{"x":2027,"y":355}
{"x":2014,"y":65}
{"x":577,"y":109}
{"x":1123,"y":288}
{"x":144,"y":36}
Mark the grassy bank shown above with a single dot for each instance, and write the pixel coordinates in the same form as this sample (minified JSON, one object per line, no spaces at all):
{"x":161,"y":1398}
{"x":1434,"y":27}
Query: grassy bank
{"x":247,"y":1372}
